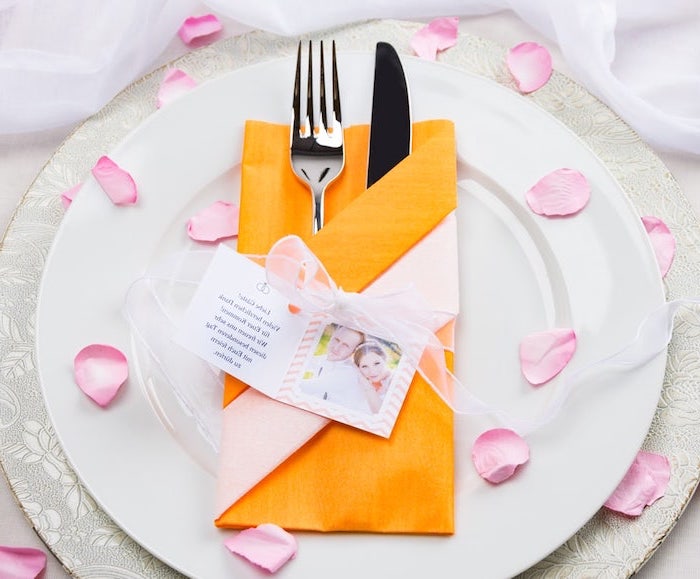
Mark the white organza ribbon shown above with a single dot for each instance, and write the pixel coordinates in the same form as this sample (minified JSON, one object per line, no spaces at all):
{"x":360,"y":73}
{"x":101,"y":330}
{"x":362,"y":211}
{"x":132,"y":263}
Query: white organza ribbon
{"x":156,"y":303}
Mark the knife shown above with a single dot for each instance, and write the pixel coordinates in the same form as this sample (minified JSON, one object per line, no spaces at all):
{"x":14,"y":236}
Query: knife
{"x":390,"y":127}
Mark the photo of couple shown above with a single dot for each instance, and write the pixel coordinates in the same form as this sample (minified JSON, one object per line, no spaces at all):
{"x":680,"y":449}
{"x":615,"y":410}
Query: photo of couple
{"x":350,"y":369}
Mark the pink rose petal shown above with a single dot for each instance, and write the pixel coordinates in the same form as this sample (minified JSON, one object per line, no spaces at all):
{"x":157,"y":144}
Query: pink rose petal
{"x":115,"y":181}
{"x":217,"y":221}
{"x":662,"y":241}
{"x":530,"y":64}
{"x":68,"y":196}
{"x":544,"y":354}
{"x":198,"y":27}
{"x":561,"y":192}
{"x":266,"y":545}
{"x":646,"y":481}
{"x":497,"y":453}
{"x":21,"y":562}
{"x":175,"y":83}
{"x":439,"y":34}
{"x":100,"y":370}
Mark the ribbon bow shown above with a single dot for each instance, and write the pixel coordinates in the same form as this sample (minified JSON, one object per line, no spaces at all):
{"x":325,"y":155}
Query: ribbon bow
{"x":294,"y":270}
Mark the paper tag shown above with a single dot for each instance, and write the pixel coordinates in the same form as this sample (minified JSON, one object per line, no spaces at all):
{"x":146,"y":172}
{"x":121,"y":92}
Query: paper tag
{"x":240,"y":324}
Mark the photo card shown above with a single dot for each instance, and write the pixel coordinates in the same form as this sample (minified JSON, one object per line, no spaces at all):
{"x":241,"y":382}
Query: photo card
{"x":349,"y":375}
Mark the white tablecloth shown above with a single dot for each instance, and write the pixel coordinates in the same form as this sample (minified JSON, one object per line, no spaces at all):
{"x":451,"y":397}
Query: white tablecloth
{"x":23,"y":156}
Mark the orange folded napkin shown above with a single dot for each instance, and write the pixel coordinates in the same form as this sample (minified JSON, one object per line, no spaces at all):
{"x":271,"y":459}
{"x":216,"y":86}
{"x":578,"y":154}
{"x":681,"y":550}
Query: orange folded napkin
{"x":311,"y":473}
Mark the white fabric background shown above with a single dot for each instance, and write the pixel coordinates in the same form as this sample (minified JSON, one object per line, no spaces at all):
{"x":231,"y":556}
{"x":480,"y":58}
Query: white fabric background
{"x":23,"y":154}
{"x":62,"y":60}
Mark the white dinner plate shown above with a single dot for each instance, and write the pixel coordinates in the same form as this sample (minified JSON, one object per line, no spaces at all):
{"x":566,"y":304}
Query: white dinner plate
{"x":519,"y":273}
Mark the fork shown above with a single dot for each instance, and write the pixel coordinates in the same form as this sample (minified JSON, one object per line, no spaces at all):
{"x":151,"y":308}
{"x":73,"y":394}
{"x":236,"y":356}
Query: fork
{"x":316,"y":151}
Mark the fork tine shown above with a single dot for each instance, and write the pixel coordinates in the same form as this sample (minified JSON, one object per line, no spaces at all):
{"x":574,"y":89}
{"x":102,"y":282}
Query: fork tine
{"x":310,"y":95}
{"x":296,"y":101}
{"x":336,"y":88}
{"x":322,"y":92}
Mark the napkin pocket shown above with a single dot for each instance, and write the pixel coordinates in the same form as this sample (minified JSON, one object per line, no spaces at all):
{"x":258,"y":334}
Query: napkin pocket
{"x":303,"y":471}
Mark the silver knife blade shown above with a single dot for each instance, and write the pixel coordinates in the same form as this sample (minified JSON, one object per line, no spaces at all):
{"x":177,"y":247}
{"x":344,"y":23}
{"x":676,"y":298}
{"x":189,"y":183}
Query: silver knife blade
{"x":390,"y":127}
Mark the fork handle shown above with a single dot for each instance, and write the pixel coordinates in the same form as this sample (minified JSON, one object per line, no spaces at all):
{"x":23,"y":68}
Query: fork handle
{"x":318,"y":209}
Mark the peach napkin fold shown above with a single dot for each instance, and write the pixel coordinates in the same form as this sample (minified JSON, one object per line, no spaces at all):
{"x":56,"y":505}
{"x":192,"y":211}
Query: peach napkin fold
{"x":301,"y":471}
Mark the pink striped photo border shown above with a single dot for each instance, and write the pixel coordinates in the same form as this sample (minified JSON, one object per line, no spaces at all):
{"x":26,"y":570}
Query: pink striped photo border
{"x":380,"y":422}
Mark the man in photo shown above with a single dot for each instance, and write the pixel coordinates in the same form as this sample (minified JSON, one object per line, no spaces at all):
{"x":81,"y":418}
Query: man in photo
{"x":335,"y":378}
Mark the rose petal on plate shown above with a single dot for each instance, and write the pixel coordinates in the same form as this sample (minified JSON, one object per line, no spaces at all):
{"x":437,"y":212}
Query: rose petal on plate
{"x":497,"y":453}
{"x":544,"y":354}
{"x":530,"y":64}
{"x":115,"y":181}
{"x":662,"y":241}
{"x":198,"y":27}
{"x":100,"y":370}
{"x":68,"y":195}
{"x":175,"y":83}
{"x":561,"y":192}
{"x":439,"y":34}
{"x":217,"y":221}
{"x":266,"y":545}
{"x":646,"y":481}
{"x":21,"y":562}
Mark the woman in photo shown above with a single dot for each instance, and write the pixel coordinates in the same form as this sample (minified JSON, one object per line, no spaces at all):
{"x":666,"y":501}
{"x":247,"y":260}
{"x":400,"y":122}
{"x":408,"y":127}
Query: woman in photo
{"x":375,"y":374}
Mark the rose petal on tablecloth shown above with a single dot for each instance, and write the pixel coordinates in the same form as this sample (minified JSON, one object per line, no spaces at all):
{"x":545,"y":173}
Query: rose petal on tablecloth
{"x":196,"y":27}
{"x":497,"y":453}
{"x":544,"y":354}
{"x":559,"y":193}
{"x":175,"y":83}
{"x":21,"y":562}
{"x":100,"y":370}
{"x":218,"y":221}
{"x":115,"y":181}
{"x":439,"y":34}
{"x":530,"y":64}
{"x":266,"y":545}
{"x":646,"y":481}
{"x":662,"y":241}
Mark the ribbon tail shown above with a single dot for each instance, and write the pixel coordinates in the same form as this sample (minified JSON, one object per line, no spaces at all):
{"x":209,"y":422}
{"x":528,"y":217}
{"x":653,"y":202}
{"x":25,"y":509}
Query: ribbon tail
{"x":652,"y":337}
{"x":153,"y":308}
